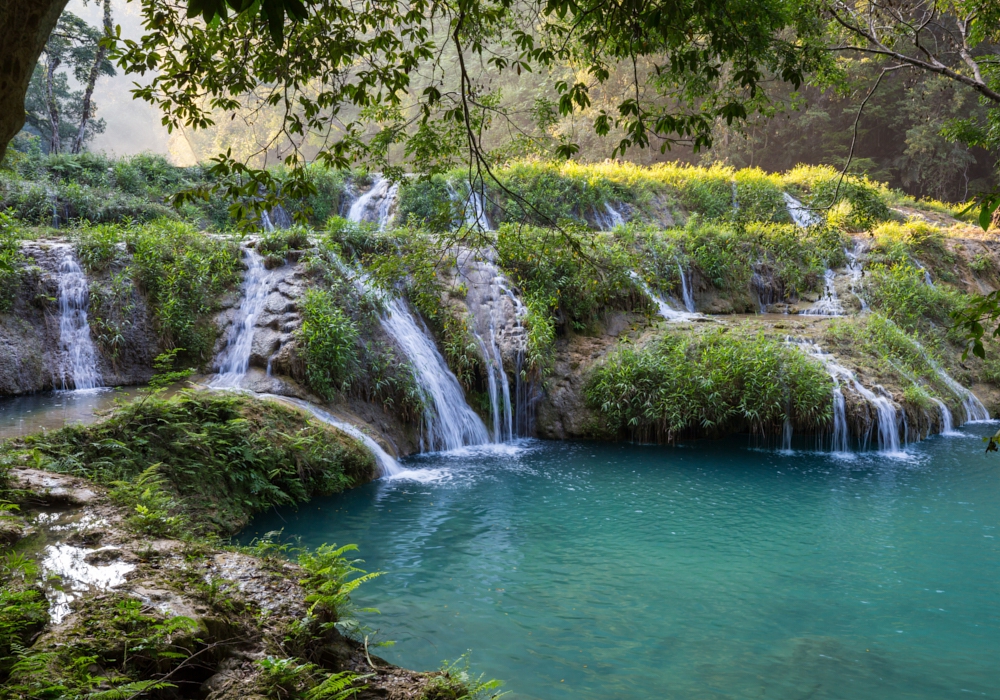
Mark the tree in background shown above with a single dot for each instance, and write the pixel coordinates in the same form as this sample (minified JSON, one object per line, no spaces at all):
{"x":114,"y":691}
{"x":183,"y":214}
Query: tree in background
{"x":57,"y":112}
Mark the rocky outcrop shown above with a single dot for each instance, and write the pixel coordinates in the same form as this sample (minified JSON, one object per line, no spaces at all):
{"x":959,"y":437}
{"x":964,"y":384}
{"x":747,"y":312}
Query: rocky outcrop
{"x":220,"y":613}
{"x":30,"y":357}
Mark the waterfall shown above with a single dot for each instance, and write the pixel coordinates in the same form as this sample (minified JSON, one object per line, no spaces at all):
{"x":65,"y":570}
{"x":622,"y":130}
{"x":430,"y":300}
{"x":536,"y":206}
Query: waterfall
{"x":975,"y":411}
{"x":609,"y":219}
{"x":686,"y":290}
{"x":524,"y":400}
{"x":79,"y":357}
{"x":829,"y":304}
{"x":388,"y":467}
{"x":889,"y":417}
{"x":947,"y":427}
{"x":855,"y":269}
{"x":448,"y":421}
{"x":662,"y":307}
{"x":235,"y":358}
{"x":736,"y":200}
{"x":377,"y":205}
{"x":801,"y":215}
{"x":786,"y":435}
{"x":474,"y":214}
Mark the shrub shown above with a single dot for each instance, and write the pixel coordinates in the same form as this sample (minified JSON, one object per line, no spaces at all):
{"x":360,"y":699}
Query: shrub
{"x":11,"y":259}
{"x":712,"y":382}
{"x":331,"y":338}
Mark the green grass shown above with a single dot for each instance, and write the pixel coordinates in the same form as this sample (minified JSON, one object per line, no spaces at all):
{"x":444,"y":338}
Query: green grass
{"x":712,"y":382}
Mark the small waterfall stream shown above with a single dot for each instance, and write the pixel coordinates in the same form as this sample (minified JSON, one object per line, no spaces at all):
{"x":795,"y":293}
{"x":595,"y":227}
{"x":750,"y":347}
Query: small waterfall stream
{"x":609,"y":219}
{"x":889,"y":418}
{"x":828,"y":304}
{"x":686,"y":291}
{"x":234,"y":360}
{"x":78,"y":368}
{"x":377,"y":205}
{"x":388,"y":467}
{"x":800,"y":213}
{"x":663,"y":308}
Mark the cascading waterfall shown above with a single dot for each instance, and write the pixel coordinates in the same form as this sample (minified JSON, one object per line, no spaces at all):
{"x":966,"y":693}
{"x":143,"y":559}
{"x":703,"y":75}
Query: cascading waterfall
{"x":974,"y":409}
{"x":388,"y":467}
{"x":889,"y":417}
{"x":855,"y":269}
{"x":800,"y":213}
{"x":524,"y":400}
{"x":947,"y":423}
{"x":609,"y":219}
{"x":829,"y":304}
{"x":686,"y":290}
{"x":474,"y":214}
{"x":377,"y":205}
{"x":786,"y":435}
{"x":235,"y":359}
{"x":662,"y":307}
{"x":448,"y":421}
{"x":79,"y":357}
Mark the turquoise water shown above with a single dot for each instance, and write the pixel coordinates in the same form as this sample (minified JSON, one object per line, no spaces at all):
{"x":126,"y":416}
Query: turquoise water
{"x":586,"y":571}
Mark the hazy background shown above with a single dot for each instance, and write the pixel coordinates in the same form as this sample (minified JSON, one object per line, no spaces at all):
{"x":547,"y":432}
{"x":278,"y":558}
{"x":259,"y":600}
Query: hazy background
{"x":132,"y":126}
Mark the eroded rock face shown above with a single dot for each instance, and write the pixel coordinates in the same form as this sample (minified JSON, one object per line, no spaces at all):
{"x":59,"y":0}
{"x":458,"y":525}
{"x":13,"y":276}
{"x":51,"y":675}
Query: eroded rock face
{"x":30,"y":358}
{"x":493,"y":304}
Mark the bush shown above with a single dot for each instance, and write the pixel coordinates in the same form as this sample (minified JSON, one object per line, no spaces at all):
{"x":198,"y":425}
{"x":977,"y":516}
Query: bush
{"x":11,"y":259}
{"x":331,"y":338}
{"x":222,"y":457}
{"x":900,"y":292}
{"x":712,"y":382}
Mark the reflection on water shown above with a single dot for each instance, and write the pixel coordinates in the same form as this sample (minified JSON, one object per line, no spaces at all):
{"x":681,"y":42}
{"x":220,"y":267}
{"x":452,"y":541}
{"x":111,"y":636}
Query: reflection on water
{"x":51,"y":410}
{"x":595,"y":571}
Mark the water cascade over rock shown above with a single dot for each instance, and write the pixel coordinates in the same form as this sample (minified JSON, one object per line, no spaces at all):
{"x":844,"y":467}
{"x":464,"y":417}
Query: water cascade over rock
{"x":889,"y":418}
{"x":388,"y":467}
{"x":829,"y":304}
{"x":235,"y":358}
{"x":608,"y":219}
{"x":800,"y":213}
{"x":666,"y":311}
{"x":686,"y":294}
{"x":448,"y":421}
{"x":377,"y":205}
{"x":78,"y":367}
{"x":497,"y":314}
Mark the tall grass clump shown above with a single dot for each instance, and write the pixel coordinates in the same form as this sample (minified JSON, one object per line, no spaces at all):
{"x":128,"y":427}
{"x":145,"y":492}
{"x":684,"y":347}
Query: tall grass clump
{"x":11,"y":259}
{"x":708,"y":383}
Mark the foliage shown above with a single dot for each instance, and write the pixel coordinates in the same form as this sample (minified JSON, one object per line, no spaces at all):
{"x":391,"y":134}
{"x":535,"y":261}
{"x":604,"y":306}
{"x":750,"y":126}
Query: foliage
{"x":329,"y":579}
{"x":701,"y":63}
{"x":221,"y":456}
{"x":111,"y":650}
{"x":577,"y":276}
{"x":292,"y":679}
{"x":331,"y":343}
{"x":23,"y":608}
{"x":280,"y":241}
{"x":11,"y":259}
{"x":708,"y":382}
{"x":455,"y":682}
{"x":852,"y":203}
{"x":900,"y":292}
{"x":183,"y":273}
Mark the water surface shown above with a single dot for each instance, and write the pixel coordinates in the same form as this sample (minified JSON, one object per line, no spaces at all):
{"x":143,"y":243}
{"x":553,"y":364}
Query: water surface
{"x":51,"y":410}
{"x":593,"y":571}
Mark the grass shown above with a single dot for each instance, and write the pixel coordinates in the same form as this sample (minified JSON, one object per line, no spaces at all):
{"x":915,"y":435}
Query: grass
{"x":711,"y":382}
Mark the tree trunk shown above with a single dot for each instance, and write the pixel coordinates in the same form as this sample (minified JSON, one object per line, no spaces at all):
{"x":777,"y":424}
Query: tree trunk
{"x":95,"y":70}
{"x":51,"y":64}
{"x":26,"y":27}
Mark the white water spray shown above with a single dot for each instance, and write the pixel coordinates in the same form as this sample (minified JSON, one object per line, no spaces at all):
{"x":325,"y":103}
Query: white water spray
{"x":79,"y":357}
{"x":800,"y":213}
{"x":235,"y":358}
{"x":829,"y":304}
{"x":609,"y":219}
{"x":377,"y":205}
{"x":686,"y":289}
{"x":663,"y":308}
